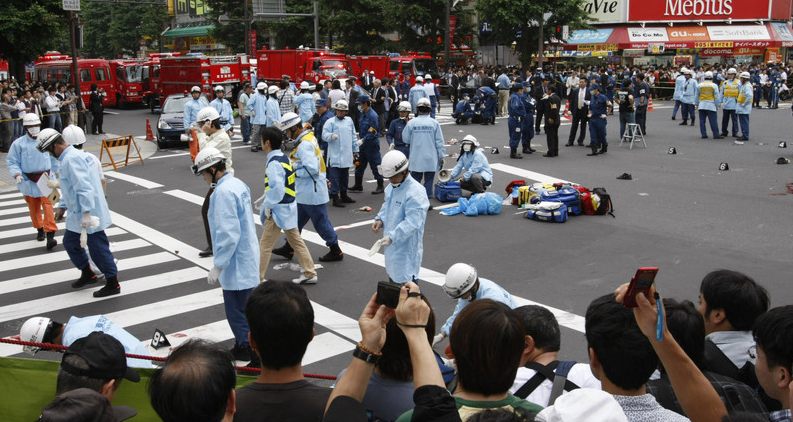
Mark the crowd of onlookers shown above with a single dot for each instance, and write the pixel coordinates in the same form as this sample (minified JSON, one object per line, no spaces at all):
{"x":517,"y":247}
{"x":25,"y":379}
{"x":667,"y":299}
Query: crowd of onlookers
{"x":729,"y":358}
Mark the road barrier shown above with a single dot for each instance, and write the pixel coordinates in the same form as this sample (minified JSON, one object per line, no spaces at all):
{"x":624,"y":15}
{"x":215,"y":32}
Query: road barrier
{"x":121,"y":141}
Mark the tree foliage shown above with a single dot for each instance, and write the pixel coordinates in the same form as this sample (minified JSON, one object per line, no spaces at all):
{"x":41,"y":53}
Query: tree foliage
{"x":421,"y":24}
{"x":231,"y":35}
{"x":112,"y":30}
{"x":507,"y":17}
{"x":359,"y":25}
{"x":27,"y":30}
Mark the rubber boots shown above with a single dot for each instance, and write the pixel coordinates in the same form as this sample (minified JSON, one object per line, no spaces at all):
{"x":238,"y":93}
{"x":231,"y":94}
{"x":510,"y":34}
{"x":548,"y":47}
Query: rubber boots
{"x":337,"y":202}
{"x":358,"y":186}
{"x":87,"y":277}
{"x":335,"y":254}
{"x":40,"y":235}
{"x":51,"y":242}
{"x":346,"y":198}
{"x":513,"y":153}
{"x":380,"y":188}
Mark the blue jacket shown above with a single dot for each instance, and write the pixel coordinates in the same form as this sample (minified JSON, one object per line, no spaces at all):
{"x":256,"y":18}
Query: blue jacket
{"x":365,"y":122}
{"x":515,"y":107}
{"x":403,"y":89}
{"x":463,"y":107}
{"x":285,"y":215}
{"x":487,"y":290}
{"x":191,"y":109}
{"x":709,"y":97}
{"x":729,"y":93}
{"x":690,"y":91}
{"x":258,"y":103}
{"x":305,"y":103}
{"x":273,"y":113}
{"x":311,"y":186}
{"x":340,"y":151}
{"x":224,"y":109}
{"x":679,"y":82}
{"x":81,"y":190}
{"x":78,"y":328}
{"x":599,"y":105}
{"x":394,"y":135}
{"x":528,"y":104}
{"x":473,"y":162}
{"x":746,"y":93}
{"x":416,"y":93}
{"x":404,"y":213}
{"x":235,"y":246}
{"x":425,"y":137}
{"x":321,"y":125}
{"x":503,"y":81}
{"x":23,"y":157}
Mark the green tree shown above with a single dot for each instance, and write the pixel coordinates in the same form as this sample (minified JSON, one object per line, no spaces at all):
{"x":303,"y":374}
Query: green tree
{"x":421,"y":24}
{"x":507,"y":17}
{"x":297,"y":30}
{"x":114,"y":29}
{"x":359,"y":25}
{"x":231,"y":35}
{"x":27,"y":30}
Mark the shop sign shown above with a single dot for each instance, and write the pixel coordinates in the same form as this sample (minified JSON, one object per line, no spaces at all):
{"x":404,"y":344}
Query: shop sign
{"x":748,"y":51}
{"x":687,"y":33}
{"x":782,"y":31}
{"x":772,"y":55}
{"x":633,"y":52}
{"x":752,"y":43}
{"x":655,"y":48}
{"x":586,"y":36}
{"x":705,"y":10}
{"x":713,"y":44}
{"x":738,"y":32}
{"x":716,"y":52}
{"x":647,"y":34}
{"x":596,"y":47}
{"x":605,"y":11}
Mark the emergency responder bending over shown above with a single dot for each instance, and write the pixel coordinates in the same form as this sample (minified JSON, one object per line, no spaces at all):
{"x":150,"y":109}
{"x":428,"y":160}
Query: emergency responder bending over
{"x":402,"y":218}
{"x":81,"y":192}
{"x":477,"y":176}
{"x":462,"y":111}
{"x":463,"y":283}
{"x":236,"y":261}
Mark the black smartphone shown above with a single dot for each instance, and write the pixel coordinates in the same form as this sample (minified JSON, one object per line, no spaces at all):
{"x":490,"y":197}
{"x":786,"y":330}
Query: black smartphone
{"x":388,"y":293}
{"x":641,"y":282}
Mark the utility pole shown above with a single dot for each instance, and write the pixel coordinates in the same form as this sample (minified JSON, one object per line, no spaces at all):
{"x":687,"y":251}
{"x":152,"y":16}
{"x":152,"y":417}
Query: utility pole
{"x":75,"y":69}
{"x":447,"y":34}
{"x":540,"y":44}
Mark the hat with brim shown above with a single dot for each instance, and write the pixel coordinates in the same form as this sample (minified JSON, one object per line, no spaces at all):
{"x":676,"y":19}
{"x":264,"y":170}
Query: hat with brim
{"x":104,"y":355}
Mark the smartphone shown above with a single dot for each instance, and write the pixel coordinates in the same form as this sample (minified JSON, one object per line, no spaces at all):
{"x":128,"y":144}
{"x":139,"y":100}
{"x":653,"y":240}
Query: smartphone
{"x":641,"y":282}
{"x":388,"y":293}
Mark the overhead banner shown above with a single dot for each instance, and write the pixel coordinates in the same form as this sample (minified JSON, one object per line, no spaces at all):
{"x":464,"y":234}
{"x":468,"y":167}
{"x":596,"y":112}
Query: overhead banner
{"x":687,"y":33}
{"x":738,"y":32}
{"x":605,"y":11}
{"x":586,"y":36}
{"x":647,"y":34}
{"x":708,"y":10}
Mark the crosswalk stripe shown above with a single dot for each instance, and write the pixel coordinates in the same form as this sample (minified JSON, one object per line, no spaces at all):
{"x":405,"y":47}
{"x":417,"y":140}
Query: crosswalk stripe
{"x":14,"y":221}
{"x":62,"y":276}
{"x":9,"y":195}
{"x":27,"y":231}
{"x":12,"y":202}
{"x":33,"y":244}
{"x":12,"y":211}
{"x":132,"y":179}
{"x":526,"y":173}
{"x":33,"y":261}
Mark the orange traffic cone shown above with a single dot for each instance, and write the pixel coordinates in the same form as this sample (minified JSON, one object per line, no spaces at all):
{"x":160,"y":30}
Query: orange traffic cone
{"x":149,"y":134}
{"x":567,"y":114}
{"x":650,"y":104}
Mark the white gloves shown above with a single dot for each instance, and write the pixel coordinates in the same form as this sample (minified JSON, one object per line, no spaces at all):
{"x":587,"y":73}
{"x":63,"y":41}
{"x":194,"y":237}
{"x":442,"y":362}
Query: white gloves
{"x":334,"y":137}
{"x":360,"y":142}
{"x":268,"y":213}
{"x":385,"y":241}
{"x":214,"y":276}
{"x":253,"y":113}
{"x":257,"y":204}
{"x":53,"y":184}
{"x":437,"y":339}
{"x":586,"y":102}
{"x":391,"y":147}
{"x":86,"y":221}
{"x":19,"y":179}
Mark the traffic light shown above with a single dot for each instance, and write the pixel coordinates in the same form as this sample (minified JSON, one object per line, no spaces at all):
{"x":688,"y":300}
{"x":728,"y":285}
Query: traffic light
{"x":558,"y":33}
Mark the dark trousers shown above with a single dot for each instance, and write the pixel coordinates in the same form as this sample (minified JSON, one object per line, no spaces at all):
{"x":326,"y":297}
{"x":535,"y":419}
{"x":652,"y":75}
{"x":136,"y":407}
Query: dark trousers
{"x":372,"y":159}
{"x":579,"y":119}
{"x":597,"y":132}
{"x":245,"y":128}
{"x":514,"y":126}
{"x":709,"y":115}
{"x":527,"y":131}
{"x":96,"y":123}
{"x":339,"y":179}
{"x":552,"y":136}
{"x":641,"y":118}
{"x":476,"y":184}
{"x":429,"y":179}
{"x":204,"y":213}
{"x":234,"y":304}
{"x":725,"y":122}
{"x":537,"y":120}
{"x":318,"y":214}
{"x":98,"y":247}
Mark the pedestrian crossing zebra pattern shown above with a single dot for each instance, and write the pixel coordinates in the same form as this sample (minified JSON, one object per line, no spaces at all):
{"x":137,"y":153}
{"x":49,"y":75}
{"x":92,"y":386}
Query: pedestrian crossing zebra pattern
{"x":163,"y":284}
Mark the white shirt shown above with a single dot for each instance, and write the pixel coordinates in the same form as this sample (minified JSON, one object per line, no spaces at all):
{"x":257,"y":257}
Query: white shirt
{"x":52,"y":103}
{"x":580,"y":374}
{"x":581,"y":94}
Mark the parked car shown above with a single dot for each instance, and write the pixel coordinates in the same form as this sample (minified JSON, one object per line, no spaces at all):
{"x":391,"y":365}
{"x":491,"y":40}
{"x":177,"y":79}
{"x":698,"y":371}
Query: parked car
{"x":170,"y":125}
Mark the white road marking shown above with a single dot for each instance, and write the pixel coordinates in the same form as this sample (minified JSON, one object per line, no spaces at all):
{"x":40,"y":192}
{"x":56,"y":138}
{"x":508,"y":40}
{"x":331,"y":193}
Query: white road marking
{"x":526,"y":173}
{"x":33,"y":261}
{"x":33,"y":244}
{"x":132,"y":179}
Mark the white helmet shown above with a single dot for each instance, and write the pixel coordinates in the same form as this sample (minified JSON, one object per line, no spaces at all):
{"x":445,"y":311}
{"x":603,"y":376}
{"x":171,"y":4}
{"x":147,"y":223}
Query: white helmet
{"x":427,"y":76}
{"x":219,"y":88}
{"x":709,"y":75}
{"x":195,"y":88}
{"x":207,"y":158}
{"x":342,"y":105}
{"x":394,"y":162}
{"x":73,"y":135}
{"x":272,"y":89}
{"x":745,"y":75}
{"x":34,"y":330}
{"x":404,"y":106}
{"x":31,"y":119}
{"x":732,"y":71}
{"x":207,"y":113}
{"x":304,"y":85}
{"x":288,"y":120}
{"x":261,"y":86}
{"x":471,"y":139}
{"x":459,"y":279}
{"x":419,"y":80}
{"x":424,"y":102}
{"x":46,"y":138}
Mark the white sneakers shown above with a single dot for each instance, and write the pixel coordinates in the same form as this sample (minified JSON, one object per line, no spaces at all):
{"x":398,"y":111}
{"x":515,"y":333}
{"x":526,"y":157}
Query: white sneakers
{"x":305,"y":280}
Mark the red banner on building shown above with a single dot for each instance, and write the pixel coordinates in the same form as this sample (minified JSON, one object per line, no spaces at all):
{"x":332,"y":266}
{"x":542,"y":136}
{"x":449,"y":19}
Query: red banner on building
{"x":452,"y":26}
{"x":252,"y":41}
{"x":708,"y":10}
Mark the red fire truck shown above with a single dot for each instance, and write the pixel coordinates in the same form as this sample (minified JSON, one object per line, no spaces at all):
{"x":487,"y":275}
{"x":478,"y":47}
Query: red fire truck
{"x":377,"y":64}
{"x":413,"y":64}
{"x":179,"y":74}
{"x":301,"y":65}
{"x":56,"y":67}
{"x":152,"y":86}
{"x":129,"y":79}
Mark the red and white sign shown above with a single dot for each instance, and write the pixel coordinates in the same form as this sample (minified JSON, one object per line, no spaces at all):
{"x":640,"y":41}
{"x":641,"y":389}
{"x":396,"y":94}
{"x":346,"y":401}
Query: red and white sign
{"x":706,"y":10}
{"x":687,"y":33}
{"x":716,"y":52}
{"x":647,"y":34}
{"x":738,"y":32}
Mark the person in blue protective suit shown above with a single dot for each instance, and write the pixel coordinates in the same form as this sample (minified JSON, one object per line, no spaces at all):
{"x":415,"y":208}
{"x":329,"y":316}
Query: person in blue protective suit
{"x":744,"y":106}
{"x":517,"y":113}
{"x":402,"y":218}
{"x":323,"y":115}
{"x":368,"y":145}
{"x":688,"y":97}
{"x":311,"y":187}
{"x":680,"y":81}
{"x":82,"y":194}
{"x":432,"y":92}
{"x":416,"y":93}
{"x":258,"y":106}
{"x":46,"y":330}
{"x":278,"y":210}
{"x":26,"y":163}
{"x":729,"y":96}
{"x":708,"y":102}
{"x":462,"y":111}
{"x":223,"y":107}
{"x":489,"y":99}
{"x":273,"y":109}
{"x":395,"y":129}
{"x":339,"y":133}
{"x":192,"y":107}
{"x":305,"y":102}
{"x":425,"y":137}
{"x":598,"y":109}
{"x":236,"y":262}
{"x":464,"y":284}
{"x":527,"y":131}
{"x":472,"y":169}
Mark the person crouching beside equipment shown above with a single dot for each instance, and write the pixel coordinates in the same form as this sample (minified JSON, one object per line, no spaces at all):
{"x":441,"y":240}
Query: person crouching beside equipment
{"x":477,"y":175}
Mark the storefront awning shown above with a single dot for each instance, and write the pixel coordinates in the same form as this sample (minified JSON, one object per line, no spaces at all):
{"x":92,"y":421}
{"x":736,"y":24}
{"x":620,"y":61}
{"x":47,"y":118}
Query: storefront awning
{"x":191,"y":31}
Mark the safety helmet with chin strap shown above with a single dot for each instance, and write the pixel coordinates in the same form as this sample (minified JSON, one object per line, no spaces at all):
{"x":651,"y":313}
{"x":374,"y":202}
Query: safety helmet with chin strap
{"x":459,"y":280}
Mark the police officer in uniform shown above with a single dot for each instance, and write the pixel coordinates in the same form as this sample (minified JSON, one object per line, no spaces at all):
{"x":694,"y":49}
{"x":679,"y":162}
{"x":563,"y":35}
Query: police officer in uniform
{"x":729,"y":94}
{"x":642,"y":94}
{"x":394,"y":135}
{"x":625,"y":98}
{"x":517,"y":112}
{"x":551,"y":104}
{"x":369,"y":145}
{"x":527,"y":131}
{"x":744,"y":102}
{"x":598,"y":108}
{"x":708,"y":102}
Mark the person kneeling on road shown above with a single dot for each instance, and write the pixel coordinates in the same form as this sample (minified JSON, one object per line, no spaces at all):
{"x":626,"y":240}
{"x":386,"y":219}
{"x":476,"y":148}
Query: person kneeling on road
{"x":477,"y":176}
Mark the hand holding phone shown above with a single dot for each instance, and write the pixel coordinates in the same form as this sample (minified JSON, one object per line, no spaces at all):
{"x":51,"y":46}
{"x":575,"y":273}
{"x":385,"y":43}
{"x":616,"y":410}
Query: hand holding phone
{"x":641,"y":282}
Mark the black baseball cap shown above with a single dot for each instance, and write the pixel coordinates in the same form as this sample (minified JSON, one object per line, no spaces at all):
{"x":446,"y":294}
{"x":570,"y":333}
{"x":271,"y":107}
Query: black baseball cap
{"x":104,"y":356}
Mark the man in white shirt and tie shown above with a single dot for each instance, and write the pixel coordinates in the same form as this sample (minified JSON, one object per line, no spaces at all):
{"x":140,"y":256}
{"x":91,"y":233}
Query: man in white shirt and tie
{"x":579,"y":108}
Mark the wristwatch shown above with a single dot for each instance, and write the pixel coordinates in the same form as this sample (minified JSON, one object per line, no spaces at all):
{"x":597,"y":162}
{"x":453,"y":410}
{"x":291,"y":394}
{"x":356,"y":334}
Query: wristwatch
{"x":364,"y":356}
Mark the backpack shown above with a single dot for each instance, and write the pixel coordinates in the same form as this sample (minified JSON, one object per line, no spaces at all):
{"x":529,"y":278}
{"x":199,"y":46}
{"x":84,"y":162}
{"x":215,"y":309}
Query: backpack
{"x":512,"y":192}
{"x":555,"y":371}
{"x":605,"y":206}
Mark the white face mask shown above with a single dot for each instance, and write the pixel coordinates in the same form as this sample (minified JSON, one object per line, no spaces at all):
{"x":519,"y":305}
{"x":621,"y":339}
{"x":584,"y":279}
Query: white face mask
{"x":467,"y":148}
{"x":34,"y":131}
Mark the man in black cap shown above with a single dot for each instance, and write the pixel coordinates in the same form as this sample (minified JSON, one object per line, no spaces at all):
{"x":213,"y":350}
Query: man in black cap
{"x":90,"y":374}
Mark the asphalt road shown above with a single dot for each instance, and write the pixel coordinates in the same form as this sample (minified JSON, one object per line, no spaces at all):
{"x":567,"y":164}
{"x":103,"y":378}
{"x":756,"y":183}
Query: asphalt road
{"x":680,"y":213}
